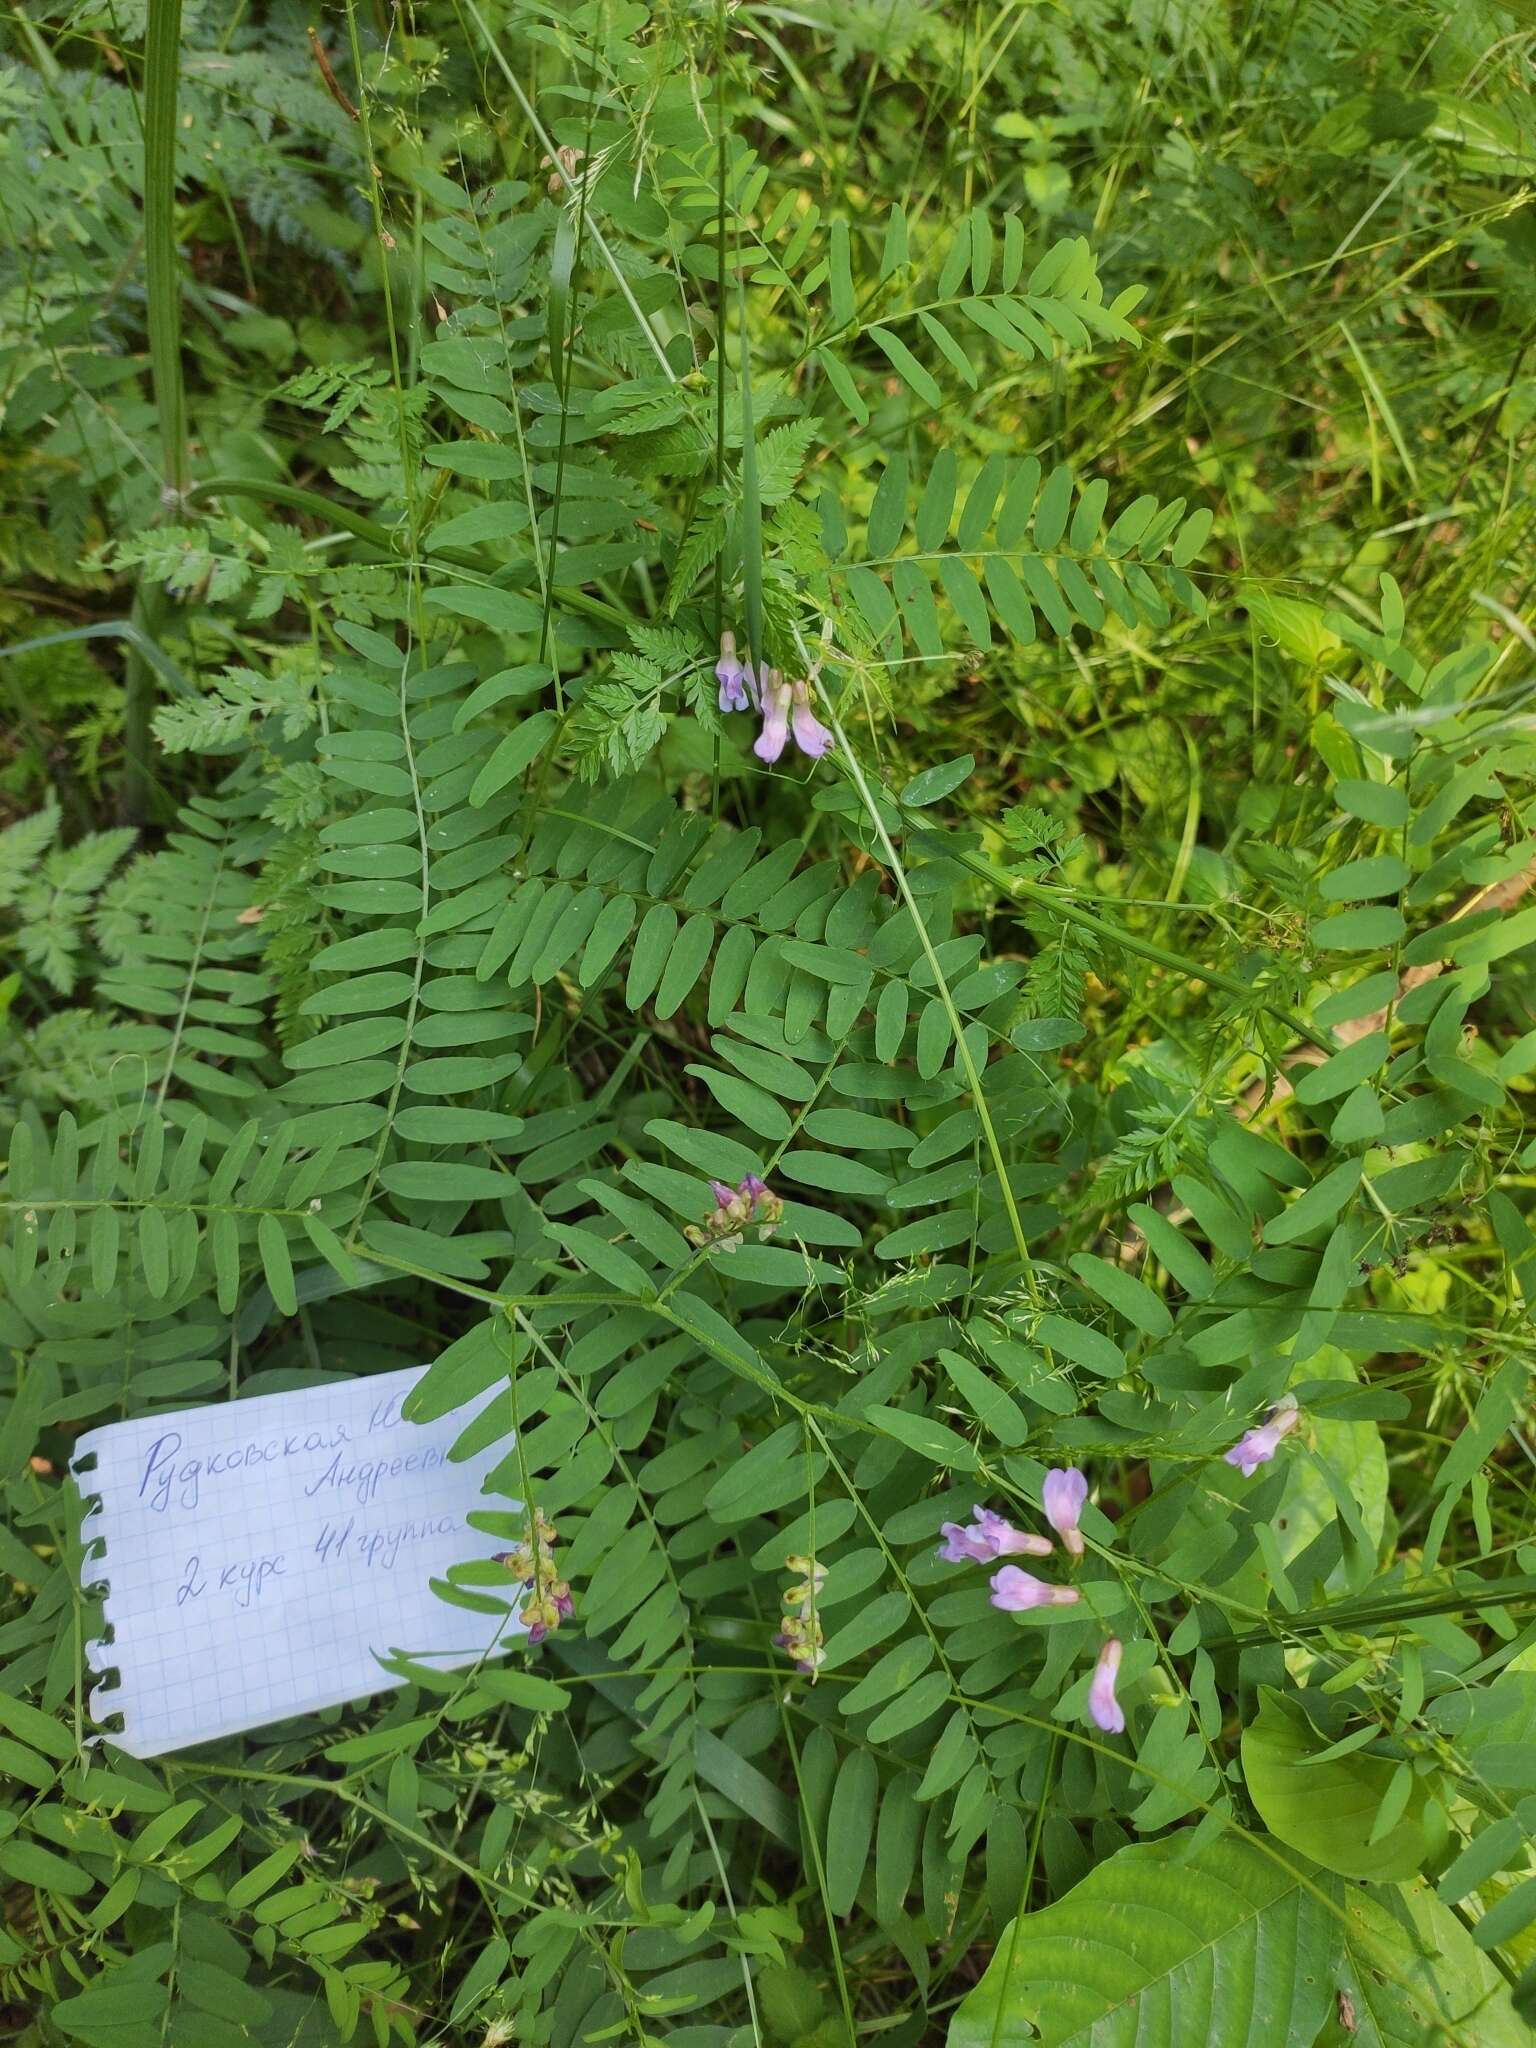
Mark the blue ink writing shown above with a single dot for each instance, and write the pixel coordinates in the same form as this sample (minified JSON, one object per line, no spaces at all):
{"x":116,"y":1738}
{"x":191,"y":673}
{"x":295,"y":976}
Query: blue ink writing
{"x":362,"y":1477}
{"x":379,"y":1548}
{"x":245,"y":1579}
{"x":387,"y":1415}
{"x":333,"y":1541}
{"x":166,"y":1479}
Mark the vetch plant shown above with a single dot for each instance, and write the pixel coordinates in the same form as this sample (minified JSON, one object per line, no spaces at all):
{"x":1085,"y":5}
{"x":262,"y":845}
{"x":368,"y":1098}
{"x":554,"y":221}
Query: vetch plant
{"x":419,"y":454}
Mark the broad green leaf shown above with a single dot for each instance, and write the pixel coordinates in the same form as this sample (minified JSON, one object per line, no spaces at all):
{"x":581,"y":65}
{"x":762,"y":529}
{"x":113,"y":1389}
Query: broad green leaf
{"x":936,"y":506}
{"x":1328,"y":1809}
{"x":347,"y":1042}
{"x":913,"y":1704}
{"x":748,"y":1103}
{"x":1159,"y":1949}
{"x":155,"y":1251}
{"x":523,"y":1688}
{"x":1359,"y":931}
{"x":1317,"y":1206}
{"x":993,"y":1408}
{"x":455,"y":1126}
{"x":1358,"y":880}
{"x":115,"y":2010}
{"x":368,"y":949}
{"x":614,"y":923}
{"x":1412,"y":1974}
{"x":841,"y":379}
{"x":1052,"y":508}
{"x":1379,"y":803}
{"x":939,"y":781}
{"x":744,"y":1785}
{"x":1081,"y":1343}
{"x":840,"y":276}
{"x":965,"y":594}
{"x":686,"y":962}
{"x":39,"y":1730}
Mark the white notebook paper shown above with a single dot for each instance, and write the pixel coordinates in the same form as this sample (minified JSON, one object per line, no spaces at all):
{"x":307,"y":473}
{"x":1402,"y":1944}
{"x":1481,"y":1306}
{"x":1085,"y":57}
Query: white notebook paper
{"x":259,"y":1555}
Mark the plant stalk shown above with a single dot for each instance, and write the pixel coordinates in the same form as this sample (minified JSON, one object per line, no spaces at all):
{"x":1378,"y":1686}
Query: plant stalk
{"x":162,"y":278}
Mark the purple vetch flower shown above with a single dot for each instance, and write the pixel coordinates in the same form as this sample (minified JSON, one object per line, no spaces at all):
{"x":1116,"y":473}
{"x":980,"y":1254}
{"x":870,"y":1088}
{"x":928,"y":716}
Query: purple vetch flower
{"x":1257,"y":1446}
{"x":786,"y":710}
{"x":1017,"y":1591}
{"x":1062,"y":1498}
{"x":1104,"y":1710}
{"x":990,"y":1536}
{"x":734,"y":676}
{"x":770,"y":742}
{"x":811,"y":736}
{"x":753,"y":1202}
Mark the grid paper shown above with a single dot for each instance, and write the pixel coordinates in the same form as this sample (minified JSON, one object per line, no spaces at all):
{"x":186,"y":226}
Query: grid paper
{"x":258,"y":1555}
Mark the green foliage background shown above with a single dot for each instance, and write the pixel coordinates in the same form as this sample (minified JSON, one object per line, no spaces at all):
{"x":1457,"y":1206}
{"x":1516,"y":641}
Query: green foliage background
{"x":1127,"y":409}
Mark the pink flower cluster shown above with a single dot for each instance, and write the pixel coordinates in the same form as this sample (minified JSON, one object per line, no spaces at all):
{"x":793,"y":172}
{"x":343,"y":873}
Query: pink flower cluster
{"x":753,"y":1203}
{"x":800,"y":1633}
{"x":989,"y":1536}
{"x":532,"y":1564}
{"x":785,"y":706}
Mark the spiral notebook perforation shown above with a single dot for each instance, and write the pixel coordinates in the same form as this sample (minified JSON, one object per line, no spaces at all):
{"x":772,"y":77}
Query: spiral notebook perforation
{"x":259,"y":1558}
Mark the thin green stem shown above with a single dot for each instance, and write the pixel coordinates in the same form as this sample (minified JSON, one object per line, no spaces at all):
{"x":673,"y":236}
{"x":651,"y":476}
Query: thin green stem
{"x":162,"y":282}
{"x":849,"y":761}
{"x":162,"y":268}
{"x":1061,"y":905}
{"x":546,"y":143}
